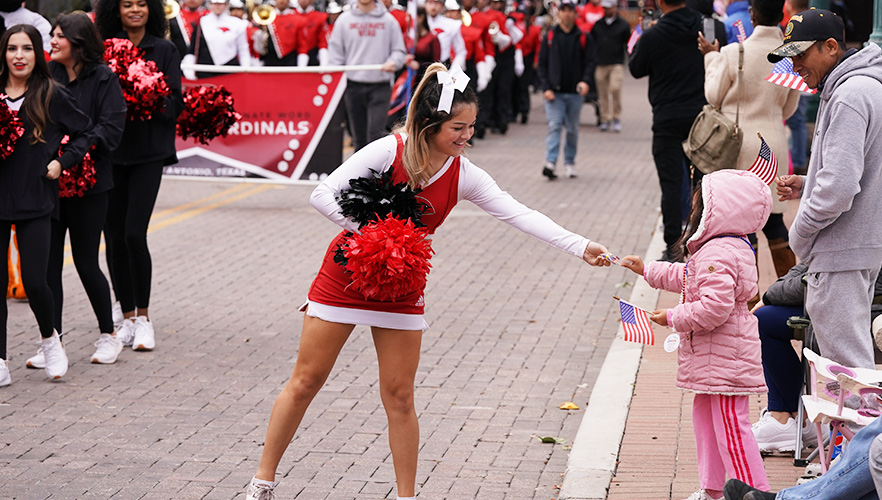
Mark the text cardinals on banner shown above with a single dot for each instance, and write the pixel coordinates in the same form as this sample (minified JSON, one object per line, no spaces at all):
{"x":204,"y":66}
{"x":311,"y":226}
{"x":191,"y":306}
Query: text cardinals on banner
{"x":290,"y":129}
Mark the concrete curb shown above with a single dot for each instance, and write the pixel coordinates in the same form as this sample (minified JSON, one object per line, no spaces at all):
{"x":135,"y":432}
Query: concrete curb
{"x":593,"y":458}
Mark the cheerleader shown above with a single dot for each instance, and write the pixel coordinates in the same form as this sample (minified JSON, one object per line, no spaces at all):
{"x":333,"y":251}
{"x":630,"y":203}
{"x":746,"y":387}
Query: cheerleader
{"x":426,"y":154}
{"x":28,"y":189}
{"x":78,"y":64}
{"x":146,"y":146}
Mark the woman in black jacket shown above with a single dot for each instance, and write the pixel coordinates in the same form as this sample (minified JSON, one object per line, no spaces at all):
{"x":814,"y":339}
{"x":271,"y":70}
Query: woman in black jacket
{"x":28,"y":189}
{"x":147,"y":146}
{"x":78,"y":64}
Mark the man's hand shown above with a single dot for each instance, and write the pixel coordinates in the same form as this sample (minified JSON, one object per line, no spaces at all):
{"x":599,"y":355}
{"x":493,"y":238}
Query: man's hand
{"x":582,"y":88}
{"x":788,"y":187}
{"x":548,"y":95}
{"x":388,"y":66}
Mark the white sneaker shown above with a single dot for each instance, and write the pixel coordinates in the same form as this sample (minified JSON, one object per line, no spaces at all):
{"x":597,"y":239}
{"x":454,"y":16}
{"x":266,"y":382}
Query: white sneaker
{"x":616,"y":126}
{"x":107,"y":349}
{"x":125,"y":332}
{"x":144,"y":335}
{"x":809,"y":435}
{"x":37,"y":360}
{"x":5,"y":378}
{"x":56,"y":358}
{"x":773,"y":436}
{"x":570,"y":170}
{"x":117,"y":312}
{"x":701,"y":495}
{"x":260,"y":490}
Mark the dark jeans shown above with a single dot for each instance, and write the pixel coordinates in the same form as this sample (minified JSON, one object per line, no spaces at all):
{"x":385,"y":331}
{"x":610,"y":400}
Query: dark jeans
{"x":128,"y":215}
{"x":33,"y":250}
{"x":667,"y":151}
{"x":84,"y":218}
{"x":367,"y":107}
{"x":781,"y":365}
{"x":798,"y":133}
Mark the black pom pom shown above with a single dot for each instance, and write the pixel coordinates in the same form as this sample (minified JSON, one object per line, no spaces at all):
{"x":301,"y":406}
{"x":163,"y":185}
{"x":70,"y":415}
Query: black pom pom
{"x":373,"y":198}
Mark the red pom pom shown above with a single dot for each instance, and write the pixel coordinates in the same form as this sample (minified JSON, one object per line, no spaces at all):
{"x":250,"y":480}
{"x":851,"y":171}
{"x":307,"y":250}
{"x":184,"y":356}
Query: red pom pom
{"x":11,"y":128}
{"x":208,"y":113}
{"x":78,"y":179}
{"x":143,"y":85}
{"x":389,"y":259}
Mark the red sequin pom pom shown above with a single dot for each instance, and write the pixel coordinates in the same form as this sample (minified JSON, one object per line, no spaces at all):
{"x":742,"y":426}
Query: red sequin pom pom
{"x":11,"y":129}
{"x":208,"y":113}
{"x":143,"y":85}
{"x":78,"y":179}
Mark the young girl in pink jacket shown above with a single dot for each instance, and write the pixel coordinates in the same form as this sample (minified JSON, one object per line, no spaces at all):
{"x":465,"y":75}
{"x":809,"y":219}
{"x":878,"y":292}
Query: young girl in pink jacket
{"x":719,"y":350}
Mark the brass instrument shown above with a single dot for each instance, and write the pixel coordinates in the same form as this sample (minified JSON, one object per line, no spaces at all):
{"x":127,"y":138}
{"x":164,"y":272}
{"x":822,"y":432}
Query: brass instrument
{"x":172,"y":8}
{"x":264,"y":15}
{"x":466,"y":17}
{"x":493,"y":29}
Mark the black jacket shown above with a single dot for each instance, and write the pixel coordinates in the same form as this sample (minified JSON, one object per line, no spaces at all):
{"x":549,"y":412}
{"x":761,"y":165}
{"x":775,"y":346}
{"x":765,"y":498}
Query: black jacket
{"x":552,"y":61}
{"x":154,"y":139}
{"x":25,"y":192}
{"x":97,"y":93}
{"x":668,"y":53}
{"x":611,"y":40}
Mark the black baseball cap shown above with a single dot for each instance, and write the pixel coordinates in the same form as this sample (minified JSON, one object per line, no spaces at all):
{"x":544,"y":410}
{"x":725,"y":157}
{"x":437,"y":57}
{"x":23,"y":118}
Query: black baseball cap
{"x":806,"y":28}
{"x":566,"y":3}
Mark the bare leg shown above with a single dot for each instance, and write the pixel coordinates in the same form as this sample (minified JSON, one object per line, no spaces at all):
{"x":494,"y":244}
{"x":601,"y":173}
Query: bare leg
{"x":320,"y":344}
{"x":398,"y":353}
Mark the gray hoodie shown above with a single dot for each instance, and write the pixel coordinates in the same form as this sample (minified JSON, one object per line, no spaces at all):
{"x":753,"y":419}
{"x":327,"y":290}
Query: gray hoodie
{"x":366,"y":38}
{"x":839,"y":223}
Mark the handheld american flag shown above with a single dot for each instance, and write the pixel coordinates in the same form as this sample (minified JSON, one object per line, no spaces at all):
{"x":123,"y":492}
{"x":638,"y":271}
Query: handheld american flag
{"x":766,"y":164}
{"x":635,"y":35}
{"x":783,"y":74}
{"x":635,"y":322}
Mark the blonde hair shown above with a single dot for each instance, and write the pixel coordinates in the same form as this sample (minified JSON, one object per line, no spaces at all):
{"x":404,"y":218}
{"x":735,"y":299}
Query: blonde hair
{"x":424,"y":120}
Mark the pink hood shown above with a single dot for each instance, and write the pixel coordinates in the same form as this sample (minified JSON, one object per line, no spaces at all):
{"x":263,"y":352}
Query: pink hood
{"x":719,"y":340}
{"x":735,"y":202}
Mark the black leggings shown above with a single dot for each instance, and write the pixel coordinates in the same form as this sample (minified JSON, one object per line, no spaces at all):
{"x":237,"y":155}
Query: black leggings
{"x":84,"y":218}
{"x":33,"y":250}
{"x":128,"y":214}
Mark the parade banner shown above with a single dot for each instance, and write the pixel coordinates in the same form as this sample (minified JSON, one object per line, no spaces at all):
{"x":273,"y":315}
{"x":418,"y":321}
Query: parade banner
{"x":291,"y":129}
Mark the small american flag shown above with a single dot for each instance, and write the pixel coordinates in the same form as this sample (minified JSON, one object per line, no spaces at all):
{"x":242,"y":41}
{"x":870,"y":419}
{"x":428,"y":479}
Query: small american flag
{"x":635,"y":322}
{"x":783,"y":74}
{"x":766,"y":165}
{"x":742,"y":35}
{"x":635,"y":35}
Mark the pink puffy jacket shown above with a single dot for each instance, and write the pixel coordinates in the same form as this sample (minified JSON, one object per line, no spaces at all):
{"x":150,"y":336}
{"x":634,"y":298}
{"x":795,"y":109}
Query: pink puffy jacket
{"x":719,"y":339}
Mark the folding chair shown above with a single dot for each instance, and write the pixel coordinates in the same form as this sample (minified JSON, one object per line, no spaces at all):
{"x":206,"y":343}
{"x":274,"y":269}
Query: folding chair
{"x":831,"y":384}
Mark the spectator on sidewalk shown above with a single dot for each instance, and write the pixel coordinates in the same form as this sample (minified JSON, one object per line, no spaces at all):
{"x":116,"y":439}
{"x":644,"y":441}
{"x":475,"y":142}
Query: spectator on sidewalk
{"x":796,"y":123}
{"x":611,"y":36}
{"x":367,"y":34}
{"x":719,"y":348}
{"x":856,"y":475}
{"x":837,"y":229}
{"x":567,"y":60}
{"x":737,"y":14}
{"x":782,"y":367}
{"x":668,"y":55}
{"x":760,"y":107}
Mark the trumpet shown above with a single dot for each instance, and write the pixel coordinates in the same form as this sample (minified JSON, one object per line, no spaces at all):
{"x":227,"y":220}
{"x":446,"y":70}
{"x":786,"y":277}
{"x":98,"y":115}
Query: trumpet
{"x":172,"y":8}
{"x":466,"y":17}
{"x":264,"y":15}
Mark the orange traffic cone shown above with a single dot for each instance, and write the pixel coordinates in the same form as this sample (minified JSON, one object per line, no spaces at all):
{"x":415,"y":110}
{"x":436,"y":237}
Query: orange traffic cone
{"x":14,"y":287}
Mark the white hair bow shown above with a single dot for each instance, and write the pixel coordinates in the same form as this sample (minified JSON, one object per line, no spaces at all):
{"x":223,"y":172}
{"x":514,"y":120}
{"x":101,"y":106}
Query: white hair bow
{"x":455,"y":79}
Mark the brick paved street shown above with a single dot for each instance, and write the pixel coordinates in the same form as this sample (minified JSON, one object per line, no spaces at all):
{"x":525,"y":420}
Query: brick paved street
{"x":517,"y":328}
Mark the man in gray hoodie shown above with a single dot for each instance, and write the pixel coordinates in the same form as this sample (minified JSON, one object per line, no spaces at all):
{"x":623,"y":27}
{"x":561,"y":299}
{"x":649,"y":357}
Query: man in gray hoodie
{"x":838,"y":229}
{"x":367,"y":34}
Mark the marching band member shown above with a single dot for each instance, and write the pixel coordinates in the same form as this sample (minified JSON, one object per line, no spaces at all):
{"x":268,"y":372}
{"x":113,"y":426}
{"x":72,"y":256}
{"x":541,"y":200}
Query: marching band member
{"x":448,"y":32}
{"x":313,"y":50}
{"x":220,"y":40}
{"x":476,"y":66}
{"x":182,"y":26}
